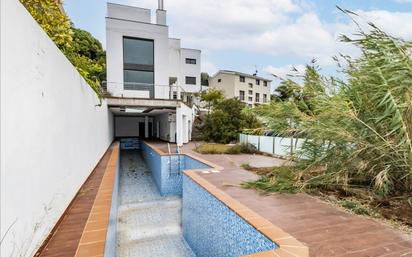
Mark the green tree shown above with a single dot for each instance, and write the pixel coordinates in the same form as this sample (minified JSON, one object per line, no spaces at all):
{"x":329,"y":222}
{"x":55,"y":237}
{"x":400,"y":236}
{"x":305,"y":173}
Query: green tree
{"x":52,"y":19}
{"x":226,"y":121}
{"x":359,"y":130}
{"x":80,"y":47}
{"x":211,"y":97}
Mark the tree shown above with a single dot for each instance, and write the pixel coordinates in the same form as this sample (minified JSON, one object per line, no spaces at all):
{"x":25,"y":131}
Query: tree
{"x":204,"y":77}
{"x":226,"y":121}
{"x":359,"y":130}
{"x":212,"y":96}
{"x":83,"y":50}
{"x":54,"y":22}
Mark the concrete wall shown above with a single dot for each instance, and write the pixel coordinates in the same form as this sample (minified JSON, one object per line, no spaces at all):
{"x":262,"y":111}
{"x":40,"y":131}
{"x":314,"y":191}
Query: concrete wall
{"x":116,"y":29}
{"x":129,"y":126}
{"x":191,"y":70}
{"x":128,"y":12}
{"x":52,"y":132}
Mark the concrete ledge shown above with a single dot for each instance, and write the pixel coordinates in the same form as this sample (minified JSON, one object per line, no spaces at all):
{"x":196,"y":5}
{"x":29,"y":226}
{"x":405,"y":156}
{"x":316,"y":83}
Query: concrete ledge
{"x":142,"y":102}
{"x":161,"y":153}
{"x":288,"y":245}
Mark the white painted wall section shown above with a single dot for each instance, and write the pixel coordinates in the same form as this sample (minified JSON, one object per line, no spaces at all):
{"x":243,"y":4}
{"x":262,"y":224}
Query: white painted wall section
{"x":52,"y":132}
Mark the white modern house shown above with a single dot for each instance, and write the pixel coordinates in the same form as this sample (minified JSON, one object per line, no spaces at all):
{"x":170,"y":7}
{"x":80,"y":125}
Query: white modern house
{"x":250,"y":89}
{"x":151,"y":79}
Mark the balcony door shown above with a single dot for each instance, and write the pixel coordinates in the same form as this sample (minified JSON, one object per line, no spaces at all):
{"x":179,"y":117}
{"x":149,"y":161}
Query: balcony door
{"x":138,"y":64}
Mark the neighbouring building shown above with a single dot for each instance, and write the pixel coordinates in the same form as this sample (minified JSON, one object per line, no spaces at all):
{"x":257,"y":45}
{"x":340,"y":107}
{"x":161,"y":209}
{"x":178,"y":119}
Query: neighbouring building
{"x":250,"y":89}
{"x":151,"y":79}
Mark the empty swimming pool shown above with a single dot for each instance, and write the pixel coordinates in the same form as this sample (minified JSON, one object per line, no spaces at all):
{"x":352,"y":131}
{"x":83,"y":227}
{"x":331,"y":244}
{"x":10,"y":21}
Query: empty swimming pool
{"x":148,"y":224}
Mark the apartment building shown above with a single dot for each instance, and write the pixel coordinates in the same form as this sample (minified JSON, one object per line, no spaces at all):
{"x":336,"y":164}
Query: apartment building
{"x":251,"y":89}
{"x":151,"y":79}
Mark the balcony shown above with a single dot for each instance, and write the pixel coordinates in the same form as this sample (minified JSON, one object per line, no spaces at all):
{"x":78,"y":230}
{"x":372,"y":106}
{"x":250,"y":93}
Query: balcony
{"x":143,"y":91}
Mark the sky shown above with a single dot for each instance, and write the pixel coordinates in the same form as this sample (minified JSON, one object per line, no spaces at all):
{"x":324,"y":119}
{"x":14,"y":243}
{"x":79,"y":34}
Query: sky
{"x":271,"y":36}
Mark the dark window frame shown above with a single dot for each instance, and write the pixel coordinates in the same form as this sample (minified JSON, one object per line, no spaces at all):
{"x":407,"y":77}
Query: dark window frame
{"x":258,"y":82}
{"x":191,"y":61}
{"x":139,"y":67}
{"x":257,"y":97}
{"x":241,"y":96}
{"x":187,"y":82}
{"x":242,"y":79}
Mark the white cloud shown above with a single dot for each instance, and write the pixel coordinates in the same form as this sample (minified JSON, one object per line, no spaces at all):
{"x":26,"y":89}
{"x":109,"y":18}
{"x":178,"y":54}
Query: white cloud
{"x":280,"y":28}
{"x":209,"y":67}
{"x":287,"y":71}
{"x":403,"y":1}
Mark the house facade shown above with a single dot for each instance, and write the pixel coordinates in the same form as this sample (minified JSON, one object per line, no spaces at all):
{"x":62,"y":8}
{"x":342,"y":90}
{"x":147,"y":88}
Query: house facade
{"x":151,"y":79}
{"x":250,"y":89}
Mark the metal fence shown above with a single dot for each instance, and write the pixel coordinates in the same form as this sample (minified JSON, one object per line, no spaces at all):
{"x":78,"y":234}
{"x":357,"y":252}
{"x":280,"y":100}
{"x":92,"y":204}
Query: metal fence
{"x":281,"y":146}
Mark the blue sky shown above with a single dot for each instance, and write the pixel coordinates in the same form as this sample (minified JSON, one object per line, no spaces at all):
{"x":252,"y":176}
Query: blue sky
{"x":272,"y":35}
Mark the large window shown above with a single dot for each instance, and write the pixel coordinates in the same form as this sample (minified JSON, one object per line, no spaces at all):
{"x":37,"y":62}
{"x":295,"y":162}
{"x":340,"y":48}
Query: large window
{"x":257,"y":82}
{"x":138,"y":64}
{"x":190,"y":80}
{"x":265,"y":98}
{"x":257,"y":97}
{"x":242,"y":79}
{"x":190,"y":61}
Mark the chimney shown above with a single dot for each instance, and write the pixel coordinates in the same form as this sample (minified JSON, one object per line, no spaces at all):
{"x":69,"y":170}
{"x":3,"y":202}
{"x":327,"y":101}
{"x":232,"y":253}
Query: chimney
{"x":161,"y":5}
{"x":161,"y":14}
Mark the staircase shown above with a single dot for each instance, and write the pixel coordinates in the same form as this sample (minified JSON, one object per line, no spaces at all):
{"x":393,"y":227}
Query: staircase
{"x":148,"y":224}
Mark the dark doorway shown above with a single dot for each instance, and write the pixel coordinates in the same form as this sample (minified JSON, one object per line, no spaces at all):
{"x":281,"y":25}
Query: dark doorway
{"x":150,"y":129}
{"x":141,"y":129}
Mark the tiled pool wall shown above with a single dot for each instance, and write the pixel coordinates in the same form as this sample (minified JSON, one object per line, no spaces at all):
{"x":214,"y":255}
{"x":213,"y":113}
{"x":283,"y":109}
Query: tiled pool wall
{"x":167,"y":170}
{"x":213,"y":230}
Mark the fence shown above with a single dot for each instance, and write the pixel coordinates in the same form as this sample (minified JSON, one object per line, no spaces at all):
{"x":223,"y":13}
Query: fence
{"x":281,"y":146}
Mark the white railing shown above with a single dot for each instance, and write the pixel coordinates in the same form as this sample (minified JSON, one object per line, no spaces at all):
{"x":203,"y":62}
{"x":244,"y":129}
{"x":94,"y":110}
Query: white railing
{"x":280,"y":146}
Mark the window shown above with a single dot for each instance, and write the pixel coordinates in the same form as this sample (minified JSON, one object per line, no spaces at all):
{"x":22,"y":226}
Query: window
{"x":242,"y":95}
{"x":265,"y":83}
{"x":190,"y":80}
{"x":138,"y":64}
{"x":219,"y":80}
{"x":257,"y":82}
{"x":250,"y":85}
{"x":265,"y":98}
{"x":190,"y":61}
{"x":242,"y":79}
{"x":250,"y":92}
{"x":250,"y":99}
{"x":257,"y":97}
{"x":174,"y":95}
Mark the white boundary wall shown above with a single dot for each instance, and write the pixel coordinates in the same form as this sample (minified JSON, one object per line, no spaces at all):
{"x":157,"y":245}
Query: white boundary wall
{"x":52,"y":132}
{"x":273,"y":145}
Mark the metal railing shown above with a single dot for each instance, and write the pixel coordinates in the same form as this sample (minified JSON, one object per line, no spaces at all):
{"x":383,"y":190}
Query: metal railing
{"x":155,"y":91}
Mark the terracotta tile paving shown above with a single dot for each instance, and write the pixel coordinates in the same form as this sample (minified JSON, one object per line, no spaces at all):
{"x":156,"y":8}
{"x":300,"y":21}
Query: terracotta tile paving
{"x":326,"y":230}
{"x":66,"y":237}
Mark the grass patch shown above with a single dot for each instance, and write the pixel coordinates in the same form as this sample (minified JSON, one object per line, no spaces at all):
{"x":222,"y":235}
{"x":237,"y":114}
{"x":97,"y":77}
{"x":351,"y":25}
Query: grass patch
{"x":225,"y":149}
{"x":279,"y":179}
{"x":354,"y":207}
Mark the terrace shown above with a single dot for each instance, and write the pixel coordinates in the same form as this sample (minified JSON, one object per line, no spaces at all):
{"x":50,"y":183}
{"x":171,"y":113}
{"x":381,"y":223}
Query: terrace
{"x":145,"y":202}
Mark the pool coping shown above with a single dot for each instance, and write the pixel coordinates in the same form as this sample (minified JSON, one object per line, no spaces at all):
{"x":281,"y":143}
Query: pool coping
{"x":96,"y":231}
{"x":288,"y":246}
{"x":161,"y":153}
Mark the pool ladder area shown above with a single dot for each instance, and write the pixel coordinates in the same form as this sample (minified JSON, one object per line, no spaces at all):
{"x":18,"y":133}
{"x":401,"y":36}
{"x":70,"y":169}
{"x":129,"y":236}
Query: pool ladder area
{"x":172,"y":169}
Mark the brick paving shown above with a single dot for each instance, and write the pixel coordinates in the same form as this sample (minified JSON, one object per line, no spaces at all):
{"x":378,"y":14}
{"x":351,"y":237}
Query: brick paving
{"x":66,"y":238}
{"x":326,"y":230}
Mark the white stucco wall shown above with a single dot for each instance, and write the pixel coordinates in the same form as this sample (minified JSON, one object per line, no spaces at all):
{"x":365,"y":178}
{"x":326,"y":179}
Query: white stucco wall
{"x":52,"y":132}
{"x":190,"y":70}
{"x":116,"y":29}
